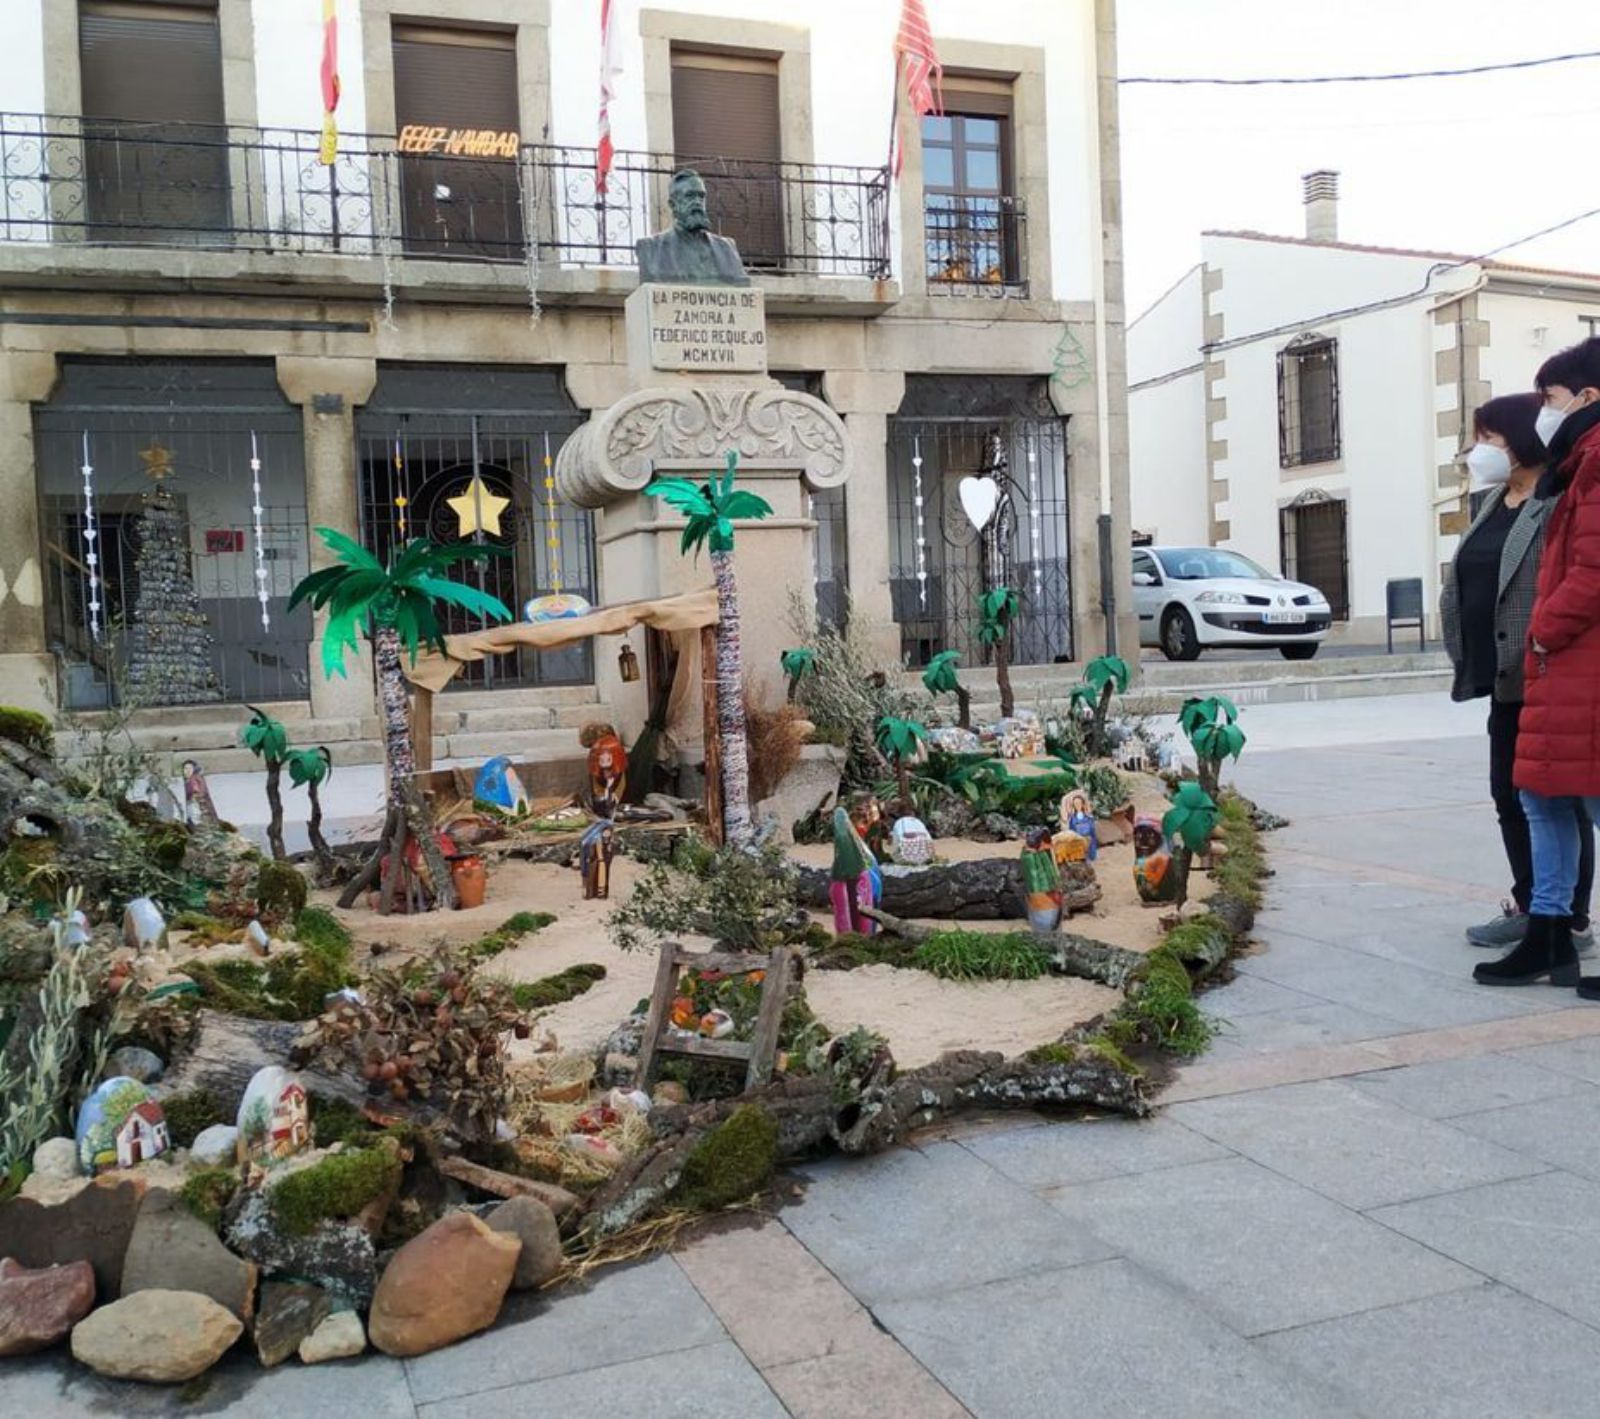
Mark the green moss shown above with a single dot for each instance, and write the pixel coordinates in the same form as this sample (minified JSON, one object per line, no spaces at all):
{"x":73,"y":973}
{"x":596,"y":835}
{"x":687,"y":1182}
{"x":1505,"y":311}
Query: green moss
{"x":507,"y":934}
{"x":317,"y":929}
{"x":167,"y":846}
{"x":1161,"y":1006}
{"x":206,"y":1193}
{"x":335,"y":1121}
{"x":280,"y":891}
{"x":338,"y":1186}
{"x":731,"y":1162}
{"x":848,"y":950}
{"x":553,"y":990}
{"x":291,"y":985}
{"x":1053,"y":1053}
{"x":1239,"y":874}
{"x":209,"y":929}
{"x":189,"y":1115}
{"x":1104,"y":1047}
{"x":27,"y":728}
{"x":983,"y":955}
{"x":1195,"y":940}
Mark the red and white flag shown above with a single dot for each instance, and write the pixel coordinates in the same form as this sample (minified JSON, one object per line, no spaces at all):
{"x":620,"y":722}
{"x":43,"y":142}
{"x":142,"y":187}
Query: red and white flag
{"x":610,"y":66}
{"x":328,"y":74}
{"x":916,"y":62}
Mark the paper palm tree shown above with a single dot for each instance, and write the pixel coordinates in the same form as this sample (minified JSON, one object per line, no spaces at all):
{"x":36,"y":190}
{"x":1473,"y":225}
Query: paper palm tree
{"x":797,"y":664}
{"x":310,"y":769}
{"x":1188,"y":825}
{"x":268,"y":740}
{"x":940,"y":678}
{"x":900,"y":741}
{"x":1210,"y":724}
{"x":396,"y":606}
{"x":997,"y":607}
{"x":710,"y":510}
{"x":1103,"y":677}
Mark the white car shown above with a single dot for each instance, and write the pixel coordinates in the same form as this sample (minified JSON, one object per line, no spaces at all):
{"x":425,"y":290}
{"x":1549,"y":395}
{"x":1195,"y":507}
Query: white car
{"x":1191,"y":599}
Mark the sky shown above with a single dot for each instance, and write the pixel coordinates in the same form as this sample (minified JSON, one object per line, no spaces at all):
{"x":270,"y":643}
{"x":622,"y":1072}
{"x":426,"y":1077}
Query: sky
{"x":1459,"y":164}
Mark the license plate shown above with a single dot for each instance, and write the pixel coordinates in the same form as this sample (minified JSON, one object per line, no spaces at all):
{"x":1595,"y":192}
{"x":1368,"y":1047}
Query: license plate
{"x":1284,"y":618}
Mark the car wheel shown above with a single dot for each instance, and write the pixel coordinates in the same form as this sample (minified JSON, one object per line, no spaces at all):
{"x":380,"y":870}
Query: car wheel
{"x":1178,"y":640}
{"x":1298,"y":652}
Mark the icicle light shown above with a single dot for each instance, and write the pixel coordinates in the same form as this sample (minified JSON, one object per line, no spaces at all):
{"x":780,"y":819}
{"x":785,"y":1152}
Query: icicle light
{"x":552,"y":527}
{"x":917,"y":509}
{"x":91,"y":540}
{"x":263,"y":595}
{"x":1035,"y":532}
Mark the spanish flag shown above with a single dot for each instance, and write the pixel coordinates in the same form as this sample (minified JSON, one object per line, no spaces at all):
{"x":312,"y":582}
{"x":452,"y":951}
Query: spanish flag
{"x":330,"y":82}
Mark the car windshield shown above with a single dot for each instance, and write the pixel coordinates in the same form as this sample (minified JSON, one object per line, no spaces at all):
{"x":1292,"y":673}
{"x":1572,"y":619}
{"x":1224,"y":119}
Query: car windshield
{"x":1208,"y":563}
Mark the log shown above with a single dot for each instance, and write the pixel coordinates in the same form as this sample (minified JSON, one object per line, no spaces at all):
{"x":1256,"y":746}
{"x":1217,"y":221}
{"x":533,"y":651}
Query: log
{"x":229,"y":1049}
{"x":987,"y":889}
{"x":1094,"y":960}
{"x":499,"y":1184}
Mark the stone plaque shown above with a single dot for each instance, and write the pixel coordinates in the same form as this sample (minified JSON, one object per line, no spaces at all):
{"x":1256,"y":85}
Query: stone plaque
{"x":715,"y":329}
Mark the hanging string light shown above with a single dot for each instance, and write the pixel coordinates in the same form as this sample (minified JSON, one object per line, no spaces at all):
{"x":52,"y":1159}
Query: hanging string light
{"x":552,"y":527}
{"x":1035,"y":533}
{"x":263,"y":595}
{"x":91,"y":537}
{"x":917,"y":508}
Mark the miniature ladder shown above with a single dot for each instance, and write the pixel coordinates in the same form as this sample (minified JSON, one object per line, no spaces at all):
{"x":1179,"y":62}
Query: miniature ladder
{"x":760,"y":1052}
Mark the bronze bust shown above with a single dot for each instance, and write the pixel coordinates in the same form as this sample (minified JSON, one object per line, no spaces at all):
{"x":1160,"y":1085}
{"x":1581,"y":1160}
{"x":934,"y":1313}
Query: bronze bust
{"x":690,"y":253}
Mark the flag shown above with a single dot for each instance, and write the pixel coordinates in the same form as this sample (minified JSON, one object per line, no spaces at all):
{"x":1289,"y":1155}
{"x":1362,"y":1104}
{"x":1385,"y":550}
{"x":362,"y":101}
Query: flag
{"x":330,"y":83}
{"x":917,"y":63}
{"x":610,"y":66}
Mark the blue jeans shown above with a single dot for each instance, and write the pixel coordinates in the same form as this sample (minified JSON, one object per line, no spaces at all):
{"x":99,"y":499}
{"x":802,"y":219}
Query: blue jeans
{"x":1555,"y":827}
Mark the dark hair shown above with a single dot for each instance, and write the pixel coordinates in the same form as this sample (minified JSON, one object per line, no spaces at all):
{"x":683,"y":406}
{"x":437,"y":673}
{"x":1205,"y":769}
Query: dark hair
{"x":1575,"y":368}
{"x":1513,"y":417}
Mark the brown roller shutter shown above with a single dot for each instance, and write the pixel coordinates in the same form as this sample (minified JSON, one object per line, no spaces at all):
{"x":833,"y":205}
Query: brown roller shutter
{"x":454,"y":91}
{"x":725,"y":122}
{"x":155,"y":150}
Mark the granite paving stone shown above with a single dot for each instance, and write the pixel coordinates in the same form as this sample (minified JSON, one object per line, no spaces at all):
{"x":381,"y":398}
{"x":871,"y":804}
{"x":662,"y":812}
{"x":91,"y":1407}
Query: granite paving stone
{"x":1563,"y":1132}
{"x":878,"y":1380}
{"x":1307,"y":1027}
{"x":909,"y":1222}
{"x":1251,"y":995}
{"x":1348,"y":1146}
{"x":1261,"y":1252}
{"x":1106,"y":1340}
{"x":1451,"y":1087}
{"x":1464,"y":1355}
{"x":1084,"y":1151}
{"x":1577,"y":1059}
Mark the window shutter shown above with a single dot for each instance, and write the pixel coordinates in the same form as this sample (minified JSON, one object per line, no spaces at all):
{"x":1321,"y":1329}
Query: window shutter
{"x":455,"y":85}
{"x":725,"y":112}
{"x":164,"y":66}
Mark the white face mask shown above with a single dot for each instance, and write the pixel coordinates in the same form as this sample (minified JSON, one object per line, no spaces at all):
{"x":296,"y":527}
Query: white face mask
{"x":1489,"y":466}
{"x":1549,"y":420}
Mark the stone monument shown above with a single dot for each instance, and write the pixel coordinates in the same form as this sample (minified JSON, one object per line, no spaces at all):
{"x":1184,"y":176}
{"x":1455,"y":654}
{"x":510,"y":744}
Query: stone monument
{"x":698,"y":387}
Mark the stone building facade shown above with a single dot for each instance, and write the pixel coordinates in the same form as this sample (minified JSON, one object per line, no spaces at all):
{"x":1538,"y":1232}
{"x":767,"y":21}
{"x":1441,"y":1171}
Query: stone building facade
{"x":345,"y":345}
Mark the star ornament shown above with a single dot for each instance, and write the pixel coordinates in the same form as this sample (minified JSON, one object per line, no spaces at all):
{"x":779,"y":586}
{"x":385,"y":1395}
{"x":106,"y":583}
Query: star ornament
{"x":478,"y":508}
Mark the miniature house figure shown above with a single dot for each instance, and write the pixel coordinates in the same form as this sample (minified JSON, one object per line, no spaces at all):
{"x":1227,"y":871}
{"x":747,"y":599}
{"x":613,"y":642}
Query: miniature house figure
{"x":1153,"y":872}
{"x":290,"y":1130}
{"x":596,"y":849}
{"x":1041,"y":881}
{"x":142,"y":1135}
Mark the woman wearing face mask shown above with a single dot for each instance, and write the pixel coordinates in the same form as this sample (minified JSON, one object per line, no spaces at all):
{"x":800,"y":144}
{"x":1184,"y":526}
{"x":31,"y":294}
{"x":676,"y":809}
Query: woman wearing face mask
{"x":1488,"y":599}
{"x":1558,"y":743}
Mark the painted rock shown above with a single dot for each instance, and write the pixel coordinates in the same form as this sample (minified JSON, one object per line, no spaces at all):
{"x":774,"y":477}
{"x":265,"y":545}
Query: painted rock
{"x":913,"y":843}
{"x":541,"y":1256}
{"x":143,"y":926}
{"x":120,"y":1125}
{"x":445,"y":1284}
{"x":38,"y":1308}
{"x":165,"y":1337}
{"x":559,"y":606}
{"x":339,"y":1337}
{"x":56,"y":1158}
{"x":274,"y":1120}
{"x":173,"y":1250}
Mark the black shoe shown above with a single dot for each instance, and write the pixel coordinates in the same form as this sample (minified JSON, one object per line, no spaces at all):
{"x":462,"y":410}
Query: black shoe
{"x":1589,"y":988}
{"x":1546,"y":952}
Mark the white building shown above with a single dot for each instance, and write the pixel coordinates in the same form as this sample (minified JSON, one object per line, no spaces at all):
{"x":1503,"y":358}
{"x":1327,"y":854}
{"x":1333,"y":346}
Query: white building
{"x":1305,"y":400}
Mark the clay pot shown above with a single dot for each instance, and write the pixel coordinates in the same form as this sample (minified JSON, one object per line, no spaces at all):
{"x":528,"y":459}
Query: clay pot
{"x":472,"y":880}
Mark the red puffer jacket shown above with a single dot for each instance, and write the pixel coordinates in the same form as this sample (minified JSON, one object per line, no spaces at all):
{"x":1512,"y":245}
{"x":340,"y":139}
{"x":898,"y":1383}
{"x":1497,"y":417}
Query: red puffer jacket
{"x":1558,"y":741}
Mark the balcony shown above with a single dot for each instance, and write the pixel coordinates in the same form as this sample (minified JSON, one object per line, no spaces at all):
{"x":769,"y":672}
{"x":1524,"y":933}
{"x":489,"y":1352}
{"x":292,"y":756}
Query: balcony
{"x":975,"y":245}
{"x":263,"y":190}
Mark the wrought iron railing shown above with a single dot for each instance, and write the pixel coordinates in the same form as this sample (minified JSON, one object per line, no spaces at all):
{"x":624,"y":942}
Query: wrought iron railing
{"x":264,"y":189}
{"x":975,"y":244}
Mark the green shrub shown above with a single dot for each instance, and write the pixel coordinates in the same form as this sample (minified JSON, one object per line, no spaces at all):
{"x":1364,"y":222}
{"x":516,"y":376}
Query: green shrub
{"x":207,"y":1192}
{"x":27,"y":728}
{"x":189,"y":1115}
{"x":1161,"y":1006}
{"x":731,"y":1162}
{"x":338,"y":1186}
{"x":280,"y":891}
{"x":318,"y":929}
{"x":983,"y":955}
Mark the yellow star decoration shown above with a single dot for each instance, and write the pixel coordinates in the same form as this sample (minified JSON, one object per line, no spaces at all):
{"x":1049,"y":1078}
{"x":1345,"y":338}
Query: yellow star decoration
{"x":478,"y":508}
{"x":157,"y":462}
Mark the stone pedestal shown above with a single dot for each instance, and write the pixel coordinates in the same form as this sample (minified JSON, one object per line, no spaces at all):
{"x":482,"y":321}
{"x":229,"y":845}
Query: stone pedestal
{"x":27,"y":669}
{"x":699,"y":388}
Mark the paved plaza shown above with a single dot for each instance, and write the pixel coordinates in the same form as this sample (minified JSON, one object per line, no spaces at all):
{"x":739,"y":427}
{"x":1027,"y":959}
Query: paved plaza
{"x":1377,"y":1194}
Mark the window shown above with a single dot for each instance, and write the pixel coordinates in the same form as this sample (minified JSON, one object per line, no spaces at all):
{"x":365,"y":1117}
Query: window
{"x":455,"y":94}
{"x":155,"y":149}
{"x":973,"y":216}
{"x":1308,"y":401}
{"x":1144,"y":562}
{"x":725,"y":124}
{"x":1313,"y":534}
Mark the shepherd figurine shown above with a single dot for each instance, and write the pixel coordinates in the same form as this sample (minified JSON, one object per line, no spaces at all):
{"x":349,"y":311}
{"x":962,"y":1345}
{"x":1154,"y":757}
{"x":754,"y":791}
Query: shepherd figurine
{"x":1041,"y":881}
{"x":608,"y":767}
{"x":595,"y":850}
{"x":852,"y":883}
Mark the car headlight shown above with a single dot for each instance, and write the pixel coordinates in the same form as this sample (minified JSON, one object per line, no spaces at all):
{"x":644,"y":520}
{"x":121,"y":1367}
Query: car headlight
{"x":1221,"y":598}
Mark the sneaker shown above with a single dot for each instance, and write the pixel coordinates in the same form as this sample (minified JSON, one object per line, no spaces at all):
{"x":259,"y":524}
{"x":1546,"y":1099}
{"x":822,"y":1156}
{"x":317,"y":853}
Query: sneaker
{"x":1583,"y":939}
{"x":1502,"y":931}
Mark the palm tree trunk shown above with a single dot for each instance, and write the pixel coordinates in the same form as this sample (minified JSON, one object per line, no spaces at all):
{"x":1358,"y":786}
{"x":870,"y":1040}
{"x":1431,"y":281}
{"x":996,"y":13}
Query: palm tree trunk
{"x":275,"y":808}
{"x":319,"y":844}
{"x":730,"y":704}
{"x":963,"y":706}
{"x":1002,"y":675}
{"x":902,"y":776}
{"x":1102,"y":712}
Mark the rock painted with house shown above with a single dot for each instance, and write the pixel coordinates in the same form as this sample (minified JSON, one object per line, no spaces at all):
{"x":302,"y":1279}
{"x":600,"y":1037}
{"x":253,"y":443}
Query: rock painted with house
{"x":120,"y":1126}
{"x":274,"y":1118}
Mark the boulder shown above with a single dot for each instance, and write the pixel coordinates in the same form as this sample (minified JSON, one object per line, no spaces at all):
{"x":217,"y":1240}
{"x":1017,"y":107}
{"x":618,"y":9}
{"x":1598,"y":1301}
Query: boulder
{"x":38,"y":1308}
{"x":173,"y":1250}
{"x":337,"y":1256}
{"x":170,"y":1171}
{"x":92,"y":1225}
{"x":216,"y":1147}
{"x":134,"y":1062}
{"x":535,"y":1224}
{"x":290,"y":1312}
{"x":339,"y":1337}
{"x":56,"y":1158}
{"x":163,"y":1336}
{"x":441,"y":1286}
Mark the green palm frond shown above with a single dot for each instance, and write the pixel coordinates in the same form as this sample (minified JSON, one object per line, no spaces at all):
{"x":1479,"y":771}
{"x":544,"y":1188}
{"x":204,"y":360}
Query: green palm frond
{"x":1193,"y":816}
{"x":802,"y":660}
{"x":310,"y":765}
{"x":1209,"y":709}
{"x":998,"y":605}
{"x":349,"y":551}
{"x":1107,"y":669}
{"x":900,"y":738}
{"x":939,"y":678}
{"x":1083,"y":698}
{"x":688,"y":498}
{"x":264,"y":736}
{"x":468,"y":598}
{"x":1218,"y":741}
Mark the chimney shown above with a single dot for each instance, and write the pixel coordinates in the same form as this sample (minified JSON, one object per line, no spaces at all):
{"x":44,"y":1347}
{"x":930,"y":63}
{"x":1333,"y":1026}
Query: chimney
{"x":1322,"y":204}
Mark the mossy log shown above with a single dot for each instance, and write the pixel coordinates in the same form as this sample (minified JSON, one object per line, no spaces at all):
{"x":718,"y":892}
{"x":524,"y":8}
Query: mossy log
{"x":229,"y":1049}
{"x":986,"y":889}
{"x":1093,"y":960}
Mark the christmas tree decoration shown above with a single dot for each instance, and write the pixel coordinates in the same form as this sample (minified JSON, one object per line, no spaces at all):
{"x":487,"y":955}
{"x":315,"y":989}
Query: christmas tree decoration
{"x":169,"y":642}
{"x":478,"y":508}
{"x":263,"y":593}
{"x":91,"y":537}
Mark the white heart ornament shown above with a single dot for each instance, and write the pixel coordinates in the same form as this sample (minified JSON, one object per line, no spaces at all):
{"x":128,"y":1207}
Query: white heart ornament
{"x":979,"y":498}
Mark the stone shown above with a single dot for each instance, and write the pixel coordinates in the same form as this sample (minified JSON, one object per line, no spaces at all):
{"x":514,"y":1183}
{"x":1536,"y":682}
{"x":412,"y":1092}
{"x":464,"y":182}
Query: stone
{"x":216,"y":1147}
{"x":443,"y":1285}
{"x":340,"y":1336}
{"x":274,"y":1120}
{"x":173,"y":1250}
{"x":290,"y":1312}
{"x":337,"y":1256}
{"x":93,"y":1225}
{"x":165,"y":1337}
{"x":39,"y":1306}
{"x":669,"y":1092}
{"x":143,"y":926}
{"x":134,"y":1062}
{"x":531,"y":1220}
{"x":119,"y":1126}
{"x":56,"y":1158}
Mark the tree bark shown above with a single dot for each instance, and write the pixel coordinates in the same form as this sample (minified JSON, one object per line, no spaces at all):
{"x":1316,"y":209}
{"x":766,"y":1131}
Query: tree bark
{"x":963,"y":706}
{"x":987,"y":889}
{"x":319,"y":844}
{"x":275,"y":808}
{"x":1002,"y":674}
{"x":229,"y":1049}
{"x":730,"y":704}
{"x":1102,"y":712}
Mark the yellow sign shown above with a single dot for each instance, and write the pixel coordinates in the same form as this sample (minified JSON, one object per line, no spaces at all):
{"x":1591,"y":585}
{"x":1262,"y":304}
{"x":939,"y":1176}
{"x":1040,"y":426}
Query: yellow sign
{"x":459,"y":142}
{"x":478,"y":508}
